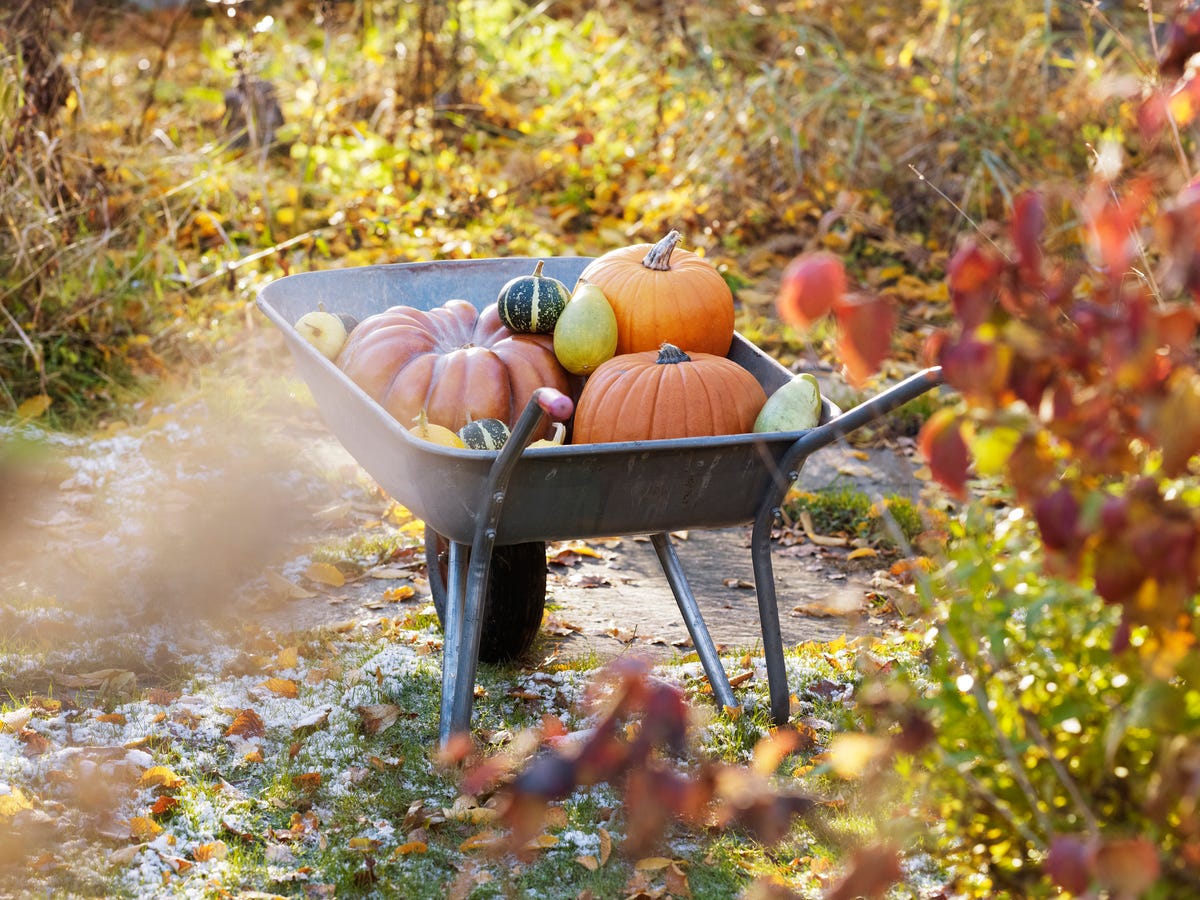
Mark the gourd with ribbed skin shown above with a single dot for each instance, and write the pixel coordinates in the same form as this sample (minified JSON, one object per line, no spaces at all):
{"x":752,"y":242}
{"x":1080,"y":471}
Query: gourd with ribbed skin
{"x":456,"y":363}
{"x":484,"y":434}
{"x":663,"y":293}
{"x":531,"y":304}
{"x":666,"y":394}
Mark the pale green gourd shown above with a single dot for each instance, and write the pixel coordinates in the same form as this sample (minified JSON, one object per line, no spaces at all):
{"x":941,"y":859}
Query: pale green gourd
{"x":796,"y":406}
{"x":586,"y":332}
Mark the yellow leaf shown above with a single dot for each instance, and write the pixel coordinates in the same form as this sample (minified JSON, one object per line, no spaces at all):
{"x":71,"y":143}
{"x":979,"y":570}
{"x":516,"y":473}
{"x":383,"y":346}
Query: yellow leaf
{"x":478,"y":841}
{"x":862,"y":552}
{"x":111,"y":718}
{"x":325,"y":573}
{"x":605,"y":846}
{"x":411,"y":847}
{"x":541,"y":842}
{"x":588,"y":862}
{"x":12,"y":803}
{"x":33,"y":407}
{"x":143,"y":828}
{"x":652,"y":863}
{"x":850,"y":755}
{"x":287,"y":658}
{"x":161,"y":776}
{"x":284,"y":687}
{"x":216,"y":850}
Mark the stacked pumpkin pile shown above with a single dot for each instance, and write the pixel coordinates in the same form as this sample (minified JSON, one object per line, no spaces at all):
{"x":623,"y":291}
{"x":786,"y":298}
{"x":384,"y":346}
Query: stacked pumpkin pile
{"x":641,"y":342}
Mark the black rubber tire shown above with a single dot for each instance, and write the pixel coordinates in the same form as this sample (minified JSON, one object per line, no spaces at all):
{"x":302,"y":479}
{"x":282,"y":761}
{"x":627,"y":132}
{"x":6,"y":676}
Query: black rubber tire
{"x":515,"y":600}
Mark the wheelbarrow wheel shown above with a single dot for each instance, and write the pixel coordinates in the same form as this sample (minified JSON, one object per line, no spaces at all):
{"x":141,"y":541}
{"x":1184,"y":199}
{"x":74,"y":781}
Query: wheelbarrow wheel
{"x":515,"y":599}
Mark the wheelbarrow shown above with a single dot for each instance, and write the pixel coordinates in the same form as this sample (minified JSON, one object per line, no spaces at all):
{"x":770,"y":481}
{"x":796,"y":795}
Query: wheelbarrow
{"x":489,"y":514}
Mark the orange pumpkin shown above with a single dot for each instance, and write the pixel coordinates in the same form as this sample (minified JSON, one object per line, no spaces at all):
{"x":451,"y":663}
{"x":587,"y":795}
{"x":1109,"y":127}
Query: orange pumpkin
{"x":454,"y":362}
{"x":668,"y":394}
{"x":661,"y":293}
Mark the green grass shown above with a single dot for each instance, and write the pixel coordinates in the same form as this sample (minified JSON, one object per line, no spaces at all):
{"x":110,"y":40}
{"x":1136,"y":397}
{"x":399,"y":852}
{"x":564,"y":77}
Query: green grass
{"x":896,"y":522}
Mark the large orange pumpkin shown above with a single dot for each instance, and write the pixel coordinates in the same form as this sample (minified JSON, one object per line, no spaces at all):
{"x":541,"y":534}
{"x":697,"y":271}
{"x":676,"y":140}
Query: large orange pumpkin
{"x":668,"y":394}
{"x":662,"y":293}
{"x":454,"y":362}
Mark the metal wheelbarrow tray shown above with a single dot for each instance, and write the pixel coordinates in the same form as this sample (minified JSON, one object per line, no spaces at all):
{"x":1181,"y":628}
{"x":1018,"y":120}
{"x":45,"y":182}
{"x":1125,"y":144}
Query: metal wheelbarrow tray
{"x":479,"y":501}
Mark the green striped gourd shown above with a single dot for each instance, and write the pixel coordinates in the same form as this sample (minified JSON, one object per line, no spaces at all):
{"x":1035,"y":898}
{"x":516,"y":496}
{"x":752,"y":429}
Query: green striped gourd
{"x":532,"y":303}
{"x":484,"y":434}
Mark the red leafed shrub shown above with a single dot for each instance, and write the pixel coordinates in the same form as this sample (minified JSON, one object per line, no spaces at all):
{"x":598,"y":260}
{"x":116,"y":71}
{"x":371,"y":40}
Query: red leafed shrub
{"x":1063,"y":666}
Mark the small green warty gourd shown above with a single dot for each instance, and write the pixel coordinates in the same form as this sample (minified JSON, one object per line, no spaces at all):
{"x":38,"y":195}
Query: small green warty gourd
{"x":532,"y":303}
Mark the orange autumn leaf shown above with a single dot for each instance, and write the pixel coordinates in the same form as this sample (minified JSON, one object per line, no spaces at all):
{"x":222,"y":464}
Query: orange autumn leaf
{"x":284,"y":687}
{"x":247,"y":723}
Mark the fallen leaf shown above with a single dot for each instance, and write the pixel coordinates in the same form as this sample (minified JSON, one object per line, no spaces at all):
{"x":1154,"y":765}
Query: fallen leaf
{"x":247,"y":723}
{"x":287,"y":658}
{"x":284,"y":687}
{"x":214,"y":850}
{"x":325,"y":573}
{"x":307,"y":781}
{"x":652,"y":863}
{"x":34,"y":407}
{"x":862,"y":553}
{"x":161,"y":776}
{"x":143,"y":828}
{"x":810,"y":532}
{"x":285,"y":589}
{"x":409,"y":847}
{"x":379,"y":717}
{"x":588,"y":862}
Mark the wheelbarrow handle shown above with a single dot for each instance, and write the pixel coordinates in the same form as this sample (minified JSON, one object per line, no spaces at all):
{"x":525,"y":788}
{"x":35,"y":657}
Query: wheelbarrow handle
{"x":462,"y":649}
{"x":554,"y":403}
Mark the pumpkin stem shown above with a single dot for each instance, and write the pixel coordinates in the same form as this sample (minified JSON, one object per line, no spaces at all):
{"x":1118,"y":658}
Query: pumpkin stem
{"x":537,"y":270}
{"x":659,"y":257}
{"x":670,"y":354}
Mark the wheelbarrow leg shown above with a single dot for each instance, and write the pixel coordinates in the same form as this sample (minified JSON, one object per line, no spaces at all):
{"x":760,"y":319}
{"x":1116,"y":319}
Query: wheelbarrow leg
{"x":696,"y":627}
{"x":453,"y":718}
{"x":768,"y":616}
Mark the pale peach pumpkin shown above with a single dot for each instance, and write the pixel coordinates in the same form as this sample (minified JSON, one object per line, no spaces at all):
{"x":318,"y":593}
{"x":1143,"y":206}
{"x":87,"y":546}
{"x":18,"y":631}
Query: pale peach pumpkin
{"x":453,"y":362}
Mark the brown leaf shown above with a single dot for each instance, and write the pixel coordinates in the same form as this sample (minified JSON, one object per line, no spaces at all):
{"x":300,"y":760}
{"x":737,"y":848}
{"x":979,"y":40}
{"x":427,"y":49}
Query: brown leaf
{"x":247,"y":723}
{"x":872,"y":870}
{"x":379,"y":717}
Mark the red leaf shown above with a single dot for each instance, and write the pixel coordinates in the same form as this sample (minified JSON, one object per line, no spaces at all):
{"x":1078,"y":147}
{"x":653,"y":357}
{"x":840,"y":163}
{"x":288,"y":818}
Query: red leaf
{"x":871,"y":872}
{"x":1111,"y":223}
{"x":811,"y":284}
{"x":942,"y":444}
{"x":1057,"y":516}
{"x":973,"y":278}
{"x":1028,"y":222}
{"x":1126,"y":866}
{"x":1068,"y":863}
{"x":975,"y":369}
{"x":1180,"y":43}
{"x":865,"y":326}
